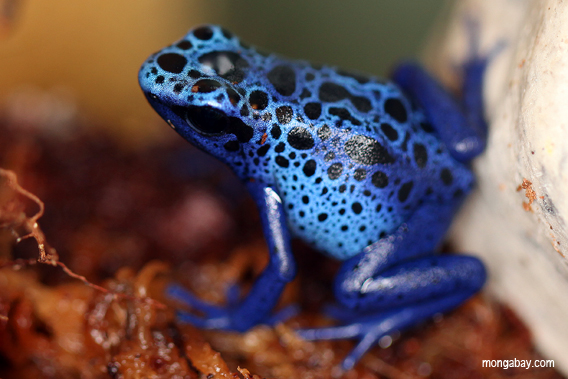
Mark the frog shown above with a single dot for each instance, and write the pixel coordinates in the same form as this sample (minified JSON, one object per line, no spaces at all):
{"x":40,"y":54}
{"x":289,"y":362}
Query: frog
{"x":365,"y":170}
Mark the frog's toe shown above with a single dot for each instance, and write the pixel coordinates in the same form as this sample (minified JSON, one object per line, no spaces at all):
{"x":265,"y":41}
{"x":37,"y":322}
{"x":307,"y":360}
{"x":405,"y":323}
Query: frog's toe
{"x":370,"y":338}
{"x":284,"y":314}
{"x":214,"y":317}
{"x":367,"y":332}
{"x":475,"y":57}
{"x":233,"y":294}
{"x":331,"y":333}
{"x":178,"y":293}
{"x":342,"y":314}
{"x":221,"y":322}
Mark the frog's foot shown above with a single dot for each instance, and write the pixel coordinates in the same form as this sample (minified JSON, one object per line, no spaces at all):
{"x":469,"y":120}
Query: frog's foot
{"x":473,"y":35}
{"x":368,"y":329}
{"x":219,"y":317}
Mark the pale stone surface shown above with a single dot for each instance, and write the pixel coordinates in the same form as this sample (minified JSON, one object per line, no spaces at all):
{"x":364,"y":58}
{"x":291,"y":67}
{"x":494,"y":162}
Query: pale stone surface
{"x":526,"y":92}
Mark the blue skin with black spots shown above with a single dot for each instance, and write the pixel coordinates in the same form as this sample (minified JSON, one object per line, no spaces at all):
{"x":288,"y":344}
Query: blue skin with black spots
{"x":367,"y":171}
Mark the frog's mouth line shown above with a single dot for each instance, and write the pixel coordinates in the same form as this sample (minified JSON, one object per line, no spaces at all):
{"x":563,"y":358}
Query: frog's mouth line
{"x":165,"y":111}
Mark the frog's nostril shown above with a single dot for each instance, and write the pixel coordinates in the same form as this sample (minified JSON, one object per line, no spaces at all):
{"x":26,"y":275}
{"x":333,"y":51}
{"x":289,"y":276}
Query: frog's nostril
{"x":152,"y":98}
{"x":172,"y":62}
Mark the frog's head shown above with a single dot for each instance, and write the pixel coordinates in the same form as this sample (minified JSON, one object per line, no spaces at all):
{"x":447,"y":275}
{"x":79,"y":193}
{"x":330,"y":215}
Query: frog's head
{"x":200,"y":86}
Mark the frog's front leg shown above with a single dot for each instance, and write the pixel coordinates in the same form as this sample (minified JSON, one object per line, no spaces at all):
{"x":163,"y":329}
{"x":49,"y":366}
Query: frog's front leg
{"x":256,"y":307}
{"x":396,"y":282}
{"x":461,"y":125}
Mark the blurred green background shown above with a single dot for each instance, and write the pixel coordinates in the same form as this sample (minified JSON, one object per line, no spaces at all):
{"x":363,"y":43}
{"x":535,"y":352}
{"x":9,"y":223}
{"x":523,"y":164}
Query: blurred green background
{"x":363,"y":35}
{"x":91,"y":50}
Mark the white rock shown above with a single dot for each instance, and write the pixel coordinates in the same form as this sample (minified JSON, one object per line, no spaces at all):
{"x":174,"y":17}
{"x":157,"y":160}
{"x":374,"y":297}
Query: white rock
{"x":526,"y":95}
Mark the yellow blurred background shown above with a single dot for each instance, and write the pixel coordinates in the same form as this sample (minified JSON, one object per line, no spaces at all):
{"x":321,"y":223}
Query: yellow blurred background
{"x":90,"y":50}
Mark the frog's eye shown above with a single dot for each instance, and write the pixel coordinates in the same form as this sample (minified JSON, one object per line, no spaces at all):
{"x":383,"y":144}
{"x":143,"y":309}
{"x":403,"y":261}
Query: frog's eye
{"x":207,"y":120}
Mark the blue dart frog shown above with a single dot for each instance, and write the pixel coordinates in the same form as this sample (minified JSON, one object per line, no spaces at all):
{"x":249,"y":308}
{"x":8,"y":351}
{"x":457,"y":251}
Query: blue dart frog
{"x":367,"y":171}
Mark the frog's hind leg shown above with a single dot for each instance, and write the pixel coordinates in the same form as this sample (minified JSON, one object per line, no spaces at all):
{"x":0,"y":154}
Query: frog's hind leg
{"x":424,"y":287}
{"x":370,"y":329}
{"x":397,"y":282}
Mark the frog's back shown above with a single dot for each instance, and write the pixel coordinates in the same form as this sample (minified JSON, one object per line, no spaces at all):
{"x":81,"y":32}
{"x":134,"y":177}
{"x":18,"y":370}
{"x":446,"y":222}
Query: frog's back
{"x":354,"y":173}
{"x":350,"y":155}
